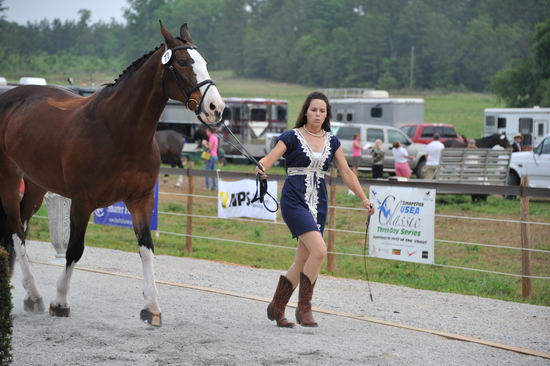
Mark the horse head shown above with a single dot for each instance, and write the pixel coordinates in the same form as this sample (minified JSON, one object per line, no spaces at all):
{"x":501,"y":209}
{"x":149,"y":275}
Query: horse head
{"x":186,"y":76}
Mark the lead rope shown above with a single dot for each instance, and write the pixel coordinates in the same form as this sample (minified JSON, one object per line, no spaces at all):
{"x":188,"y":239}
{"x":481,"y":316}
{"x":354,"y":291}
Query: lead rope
{"x":365,"y":257}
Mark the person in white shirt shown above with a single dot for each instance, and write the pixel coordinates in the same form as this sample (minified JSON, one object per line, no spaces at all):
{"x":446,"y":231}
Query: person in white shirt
{"x":433,"y":152}
{"x":401,"y":157}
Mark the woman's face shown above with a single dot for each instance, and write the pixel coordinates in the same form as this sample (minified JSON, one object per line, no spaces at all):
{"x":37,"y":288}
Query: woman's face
{"x":316,"y":114}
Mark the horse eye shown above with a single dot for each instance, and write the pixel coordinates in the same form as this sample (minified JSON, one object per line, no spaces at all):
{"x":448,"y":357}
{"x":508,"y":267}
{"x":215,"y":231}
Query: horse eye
{"x":183,"y":63}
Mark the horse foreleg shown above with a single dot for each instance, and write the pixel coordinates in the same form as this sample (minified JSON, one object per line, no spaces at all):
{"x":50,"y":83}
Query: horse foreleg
{"x":141,"y":210}
{"x":79,"y":222}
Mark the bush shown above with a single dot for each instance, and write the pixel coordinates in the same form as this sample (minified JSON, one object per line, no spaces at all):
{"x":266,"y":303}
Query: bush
{"x":5,"y":311}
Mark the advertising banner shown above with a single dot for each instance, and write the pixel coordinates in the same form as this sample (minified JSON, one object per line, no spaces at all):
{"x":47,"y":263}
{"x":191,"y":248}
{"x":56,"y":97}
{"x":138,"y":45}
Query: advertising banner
{"x":234,"y":200}
{"x":403,"y":226}
{"x":118,"y":215}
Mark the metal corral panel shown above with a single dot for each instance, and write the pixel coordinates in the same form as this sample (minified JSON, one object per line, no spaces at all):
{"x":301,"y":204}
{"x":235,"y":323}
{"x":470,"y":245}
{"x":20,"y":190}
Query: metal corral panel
{"x":474,"y":166}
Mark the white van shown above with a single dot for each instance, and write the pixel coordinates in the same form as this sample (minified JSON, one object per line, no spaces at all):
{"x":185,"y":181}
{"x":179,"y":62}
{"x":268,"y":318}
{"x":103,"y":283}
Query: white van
{"x":27,"y":80}
{"x":3,"y":81}
{"x":370,"y":133}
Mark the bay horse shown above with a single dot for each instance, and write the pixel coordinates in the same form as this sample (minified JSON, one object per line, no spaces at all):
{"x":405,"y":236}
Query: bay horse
{"x":484,"y":142}
{"x":96,"y":150}
{"x":170,"y":146}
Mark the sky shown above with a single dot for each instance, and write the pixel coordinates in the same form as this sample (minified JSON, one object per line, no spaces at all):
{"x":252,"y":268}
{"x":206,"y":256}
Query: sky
{"x":21,"y":11}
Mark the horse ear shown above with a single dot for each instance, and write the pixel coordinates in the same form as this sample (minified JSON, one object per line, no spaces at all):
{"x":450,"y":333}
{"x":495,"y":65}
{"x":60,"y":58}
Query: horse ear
{"x":184,"y":33}
{"x":168,"y":37}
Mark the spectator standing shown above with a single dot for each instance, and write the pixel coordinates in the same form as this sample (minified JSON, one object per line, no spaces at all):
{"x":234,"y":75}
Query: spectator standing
{"x":433,"y":153}
{"x":518,"y":140}
{"x":211,"y":164}
{"x":377,"y":153}
{"x":401,"y":158}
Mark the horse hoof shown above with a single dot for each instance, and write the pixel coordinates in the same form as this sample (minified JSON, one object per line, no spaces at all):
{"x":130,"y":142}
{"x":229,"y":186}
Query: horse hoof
{"x":150,"y":318}
{"x":60,"y":310}
{"x":33,"y":306}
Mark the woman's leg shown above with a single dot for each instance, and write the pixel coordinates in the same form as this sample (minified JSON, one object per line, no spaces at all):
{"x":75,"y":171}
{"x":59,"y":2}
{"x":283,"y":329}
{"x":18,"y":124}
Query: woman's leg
{"x":213,"y":166}
{"x":207,"y":167}
{"x":293,"y":273}
{"x":317,"y":249}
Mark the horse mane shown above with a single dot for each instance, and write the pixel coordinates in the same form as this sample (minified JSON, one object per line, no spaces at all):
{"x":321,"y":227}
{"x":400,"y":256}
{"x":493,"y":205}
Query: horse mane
{"x":133,"y":66}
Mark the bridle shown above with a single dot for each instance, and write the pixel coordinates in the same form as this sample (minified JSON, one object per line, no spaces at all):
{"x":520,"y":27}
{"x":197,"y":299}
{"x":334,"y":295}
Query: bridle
{"x":191,"y":103}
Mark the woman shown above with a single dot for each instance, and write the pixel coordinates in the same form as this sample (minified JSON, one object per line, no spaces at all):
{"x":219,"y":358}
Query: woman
{"x":356,"y":153}
{"x":377,"y":159}
{"x":308,"y":149}
{"x":401,"y":157}
{"x":212,"y":145}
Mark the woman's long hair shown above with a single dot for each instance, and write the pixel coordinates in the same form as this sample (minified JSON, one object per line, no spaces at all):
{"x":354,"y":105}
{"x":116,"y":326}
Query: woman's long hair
{"x":302,"y":117}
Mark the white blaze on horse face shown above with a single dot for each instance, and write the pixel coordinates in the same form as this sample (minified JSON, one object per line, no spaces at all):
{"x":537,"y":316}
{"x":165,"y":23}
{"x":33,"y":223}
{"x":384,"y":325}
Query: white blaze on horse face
{"x":212,"y":104}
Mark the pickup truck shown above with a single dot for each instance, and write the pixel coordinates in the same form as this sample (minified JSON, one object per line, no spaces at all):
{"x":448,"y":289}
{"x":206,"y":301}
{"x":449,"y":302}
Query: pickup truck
{"x":423,"y":133}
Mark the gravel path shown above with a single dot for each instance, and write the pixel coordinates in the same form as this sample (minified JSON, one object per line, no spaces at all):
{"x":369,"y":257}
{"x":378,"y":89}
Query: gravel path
{"x":204,"y":328}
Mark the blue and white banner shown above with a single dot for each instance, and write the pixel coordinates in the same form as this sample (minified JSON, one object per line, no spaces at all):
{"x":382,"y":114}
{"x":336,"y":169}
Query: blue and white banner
{"x":403,"y":226}
{"x":234,"y":200}
{"x":118,"y":215}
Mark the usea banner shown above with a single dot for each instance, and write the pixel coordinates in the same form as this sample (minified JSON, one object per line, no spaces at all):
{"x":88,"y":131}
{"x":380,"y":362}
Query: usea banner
{"x":403,"y":226}
{"x":234,"y":200}
{"x":118,"y":215}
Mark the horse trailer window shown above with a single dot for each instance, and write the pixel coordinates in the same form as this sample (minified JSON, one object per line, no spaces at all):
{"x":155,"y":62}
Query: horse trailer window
{"x":258,"y":114}
{"x":376,"y":112}
{"x":374,"y":134}
{"x":540,"y":130}
{"x":237,"y":113}
{"x":501,"y":123}
{"x":490,"y":121}
{"x":339,"y":117}
{"x":428,"y":131}
{"x":281,"y":114}
{"x":226,"y":115}
{"x":349,"y":117}
{"x":346,"y":133}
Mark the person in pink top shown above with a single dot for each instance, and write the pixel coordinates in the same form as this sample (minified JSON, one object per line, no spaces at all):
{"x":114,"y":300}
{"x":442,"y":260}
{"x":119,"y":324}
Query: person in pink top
{"x":211,"y":164}
{"x":356,"y":153}
{"x":401,"y":158}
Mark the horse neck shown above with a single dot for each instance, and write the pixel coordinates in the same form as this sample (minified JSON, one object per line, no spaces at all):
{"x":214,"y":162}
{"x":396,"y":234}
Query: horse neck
{"x":487,"y":141}
{"x":137,"y":102}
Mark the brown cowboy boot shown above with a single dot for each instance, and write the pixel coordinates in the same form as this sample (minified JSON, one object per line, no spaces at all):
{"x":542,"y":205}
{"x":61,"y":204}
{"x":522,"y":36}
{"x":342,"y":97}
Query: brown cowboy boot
{"x":304,"y":316}
{"x":276,"y":308}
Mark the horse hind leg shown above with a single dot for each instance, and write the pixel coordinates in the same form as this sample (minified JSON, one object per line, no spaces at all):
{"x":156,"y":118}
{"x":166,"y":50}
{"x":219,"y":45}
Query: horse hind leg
{"x":80,"y":215}
{"x":141,"y":216}
{"x":14,"y":234}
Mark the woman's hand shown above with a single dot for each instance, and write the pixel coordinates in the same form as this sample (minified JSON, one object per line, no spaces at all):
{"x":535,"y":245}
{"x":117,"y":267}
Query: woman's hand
{"x":369,"y":206}
{"x":261,"y":171}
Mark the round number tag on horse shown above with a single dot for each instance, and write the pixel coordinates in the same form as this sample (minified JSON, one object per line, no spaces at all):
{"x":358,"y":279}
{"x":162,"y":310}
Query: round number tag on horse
{"x":166,"y":56}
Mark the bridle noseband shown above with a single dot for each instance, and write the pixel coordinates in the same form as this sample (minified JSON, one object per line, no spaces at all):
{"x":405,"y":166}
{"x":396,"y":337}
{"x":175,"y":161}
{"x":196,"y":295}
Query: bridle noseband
{"x":190,"y":103}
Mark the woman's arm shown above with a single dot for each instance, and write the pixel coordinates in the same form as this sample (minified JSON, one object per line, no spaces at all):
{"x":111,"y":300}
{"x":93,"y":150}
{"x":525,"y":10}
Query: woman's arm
{"x":350,"y":179}
{"x":274,"y":155}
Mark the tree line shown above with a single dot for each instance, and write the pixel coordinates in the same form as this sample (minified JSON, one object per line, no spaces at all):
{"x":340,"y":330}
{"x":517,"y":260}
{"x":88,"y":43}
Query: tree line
{"x":390,"y":44}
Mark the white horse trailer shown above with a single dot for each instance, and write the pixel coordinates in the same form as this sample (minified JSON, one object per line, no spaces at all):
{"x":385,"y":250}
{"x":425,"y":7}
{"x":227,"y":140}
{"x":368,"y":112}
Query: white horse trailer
{"x":254,"y":121}
{"x":374,"y":107}
{"x":532,"y":123}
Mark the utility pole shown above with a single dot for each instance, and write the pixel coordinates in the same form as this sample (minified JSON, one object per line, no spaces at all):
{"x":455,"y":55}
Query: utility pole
{"x":411,"y":75}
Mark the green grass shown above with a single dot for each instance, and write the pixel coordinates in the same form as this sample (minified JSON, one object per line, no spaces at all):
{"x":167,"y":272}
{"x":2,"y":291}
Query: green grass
{"x":380,"y":270}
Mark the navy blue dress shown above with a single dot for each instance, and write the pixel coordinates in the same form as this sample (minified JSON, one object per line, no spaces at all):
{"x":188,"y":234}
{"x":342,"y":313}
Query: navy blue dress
{"x":304,"y":196}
